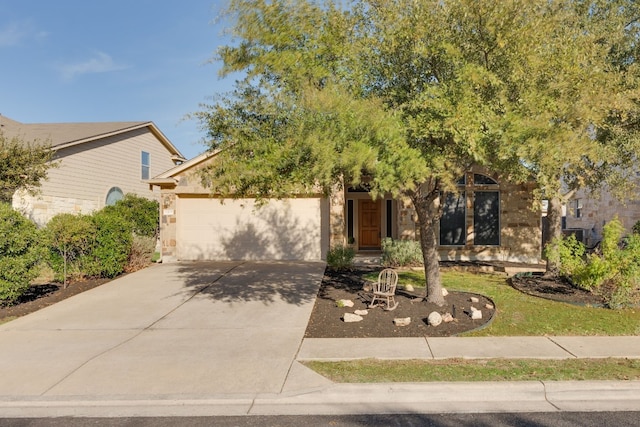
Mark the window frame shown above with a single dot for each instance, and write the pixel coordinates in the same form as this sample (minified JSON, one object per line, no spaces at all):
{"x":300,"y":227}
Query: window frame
{"x":468,"y":186}
{"x":145,"y":168}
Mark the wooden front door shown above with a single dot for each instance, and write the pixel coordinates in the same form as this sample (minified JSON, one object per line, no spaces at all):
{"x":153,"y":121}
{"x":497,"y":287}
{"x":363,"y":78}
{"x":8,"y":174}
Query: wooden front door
{"x":369,"y":220}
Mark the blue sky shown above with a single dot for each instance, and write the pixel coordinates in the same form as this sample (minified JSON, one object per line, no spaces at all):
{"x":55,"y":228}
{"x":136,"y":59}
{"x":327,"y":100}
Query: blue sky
{"x":115,"y":60}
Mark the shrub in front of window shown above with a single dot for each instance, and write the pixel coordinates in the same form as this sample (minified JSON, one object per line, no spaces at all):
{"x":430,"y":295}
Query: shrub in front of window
{"x":141,"y":212}
{"x":340,"y":257}
{"x":20,"y":254}
{"x":401,"y":253}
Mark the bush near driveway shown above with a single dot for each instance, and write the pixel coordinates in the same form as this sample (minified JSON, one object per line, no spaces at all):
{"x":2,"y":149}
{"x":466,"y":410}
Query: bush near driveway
{"x":20,"y":253}
{"x":70,"y":239}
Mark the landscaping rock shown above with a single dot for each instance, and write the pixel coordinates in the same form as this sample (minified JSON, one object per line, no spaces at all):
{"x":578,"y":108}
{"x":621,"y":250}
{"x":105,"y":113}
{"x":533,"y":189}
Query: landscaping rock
{"x":474,"y":299}
{"x":344,"y":303}
{"x":351,"y":318}
{"x":489,"y":306}
{"x":434,"y":318}
{"x":476,"y":314}
{"x":361,"y":312}
{"x":408,"y":288}
{"x":445,"y":292}
{"x":402,"y":321}
{"x":447,"y":317}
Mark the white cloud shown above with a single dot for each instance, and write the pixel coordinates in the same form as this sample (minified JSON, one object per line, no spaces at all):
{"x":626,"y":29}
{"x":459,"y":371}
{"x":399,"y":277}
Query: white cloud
{"x":100,"y":63}
{"x":15,"y":33}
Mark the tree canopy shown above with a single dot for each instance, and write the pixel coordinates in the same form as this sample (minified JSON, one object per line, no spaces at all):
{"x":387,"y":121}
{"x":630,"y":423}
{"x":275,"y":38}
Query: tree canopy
{"x":408,"y":94}
{"x":22,"y":166}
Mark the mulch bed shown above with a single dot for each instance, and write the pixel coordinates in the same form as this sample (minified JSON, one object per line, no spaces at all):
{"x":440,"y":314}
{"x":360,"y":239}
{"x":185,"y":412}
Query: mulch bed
{"x":326,"y":317}
{"x":555,"y":289}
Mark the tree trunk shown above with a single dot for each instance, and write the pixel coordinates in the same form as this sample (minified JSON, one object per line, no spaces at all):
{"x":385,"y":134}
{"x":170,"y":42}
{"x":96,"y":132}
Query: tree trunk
{"x":427,"y":204}
{"x":554,"y":218}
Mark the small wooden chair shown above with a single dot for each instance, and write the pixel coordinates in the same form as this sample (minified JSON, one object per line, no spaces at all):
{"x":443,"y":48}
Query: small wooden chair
{"x":385,"y":289}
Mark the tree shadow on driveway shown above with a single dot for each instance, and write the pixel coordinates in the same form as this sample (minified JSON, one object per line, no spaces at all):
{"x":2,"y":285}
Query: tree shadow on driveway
{"x":269,"y":282}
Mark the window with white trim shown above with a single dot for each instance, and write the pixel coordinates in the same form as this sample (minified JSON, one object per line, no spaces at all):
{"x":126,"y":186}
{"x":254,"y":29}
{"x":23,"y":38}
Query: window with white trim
{"x":113,"y":195}
{"x":577,"y":208}
{"x":145,"y":165}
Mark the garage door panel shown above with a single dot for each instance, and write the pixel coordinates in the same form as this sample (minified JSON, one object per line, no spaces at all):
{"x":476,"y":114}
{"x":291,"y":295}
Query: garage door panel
{"x":281,"y":230}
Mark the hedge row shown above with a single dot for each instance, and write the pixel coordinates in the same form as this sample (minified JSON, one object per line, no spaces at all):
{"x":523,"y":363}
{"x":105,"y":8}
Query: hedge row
{"x":116,"y":239}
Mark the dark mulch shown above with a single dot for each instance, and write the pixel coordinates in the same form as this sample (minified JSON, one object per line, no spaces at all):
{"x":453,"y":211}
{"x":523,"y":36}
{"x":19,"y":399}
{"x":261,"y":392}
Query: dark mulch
{"x":326,"y":317}
{"x":556,"y":289}
{"x":43,"y":295}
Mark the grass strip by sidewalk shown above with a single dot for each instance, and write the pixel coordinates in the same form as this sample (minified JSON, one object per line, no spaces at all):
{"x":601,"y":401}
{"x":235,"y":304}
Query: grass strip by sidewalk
{"x":379,"y":371}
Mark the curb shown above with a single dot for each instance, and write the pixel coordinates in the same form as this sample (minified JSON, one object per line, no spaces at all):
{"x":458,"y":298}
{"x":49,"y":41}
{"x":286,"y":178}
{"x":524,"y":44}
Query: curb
{"x":339,"y":399}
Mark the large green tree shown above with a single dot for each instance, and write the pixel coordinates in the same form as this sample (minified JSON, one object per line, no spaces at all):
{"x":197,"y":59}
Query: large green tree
{"x":583,"y":91}
{"x":407,"y":94}
{"x":23,"y":165}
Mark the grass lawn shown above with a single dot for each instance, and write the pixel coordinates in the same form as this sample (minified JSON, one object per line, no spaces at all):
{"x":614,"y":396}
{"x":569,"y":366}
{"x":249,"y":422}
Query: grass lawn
{"x":372,"y":371}
{"x":517,"y":314}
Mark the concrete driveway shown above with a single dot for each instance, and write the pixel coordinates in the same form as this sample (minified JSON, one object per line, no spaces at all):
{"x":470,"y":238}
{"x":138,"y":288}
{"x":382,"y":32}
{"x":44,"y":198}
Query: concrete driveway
{"x":185,"y":329}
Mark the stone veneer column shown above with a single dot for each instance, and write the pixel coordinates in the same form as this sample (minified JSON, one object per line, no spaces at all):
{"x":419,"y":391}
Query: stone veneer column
{"x":406,"y":223}
{"x":168,"y":226}
{"x":337,"y":224}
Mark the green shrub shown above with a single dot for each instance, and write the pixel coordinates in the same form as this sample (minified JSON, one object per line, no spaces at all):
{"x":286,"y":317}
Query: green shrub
{"x":615,"y":273}
{"x":20,"y":253}
{"x":567,"y":253}
{"x":113,"y":239}
{"x":340,"y":257}
{"x":636,"y":228}
{"x":70,"y":239}
{"x":401,"y":253}
{"x":141,"y":212}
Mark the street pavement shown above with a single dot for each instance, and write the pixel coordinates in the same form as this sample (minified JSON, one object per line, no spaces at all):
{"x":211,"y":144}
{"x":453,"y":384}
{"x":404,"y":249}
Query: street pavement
{"x":227,"y":338}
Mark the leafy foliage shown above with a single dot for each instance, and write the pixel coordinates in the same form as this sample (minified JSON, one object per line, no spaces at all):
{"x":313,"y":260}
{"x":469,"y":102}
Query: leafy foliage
{"x":70,"y":239}
{"x":614,"y":273}
{"x":112,"y":245}
{"x":401,"y":253}
{"x":22,"y":166}
{"x":340,"y":257}
{"x":567,"y":253}
{"x":143,"y":213}
{"x":20,"y":253}
{"x":408,"y":94}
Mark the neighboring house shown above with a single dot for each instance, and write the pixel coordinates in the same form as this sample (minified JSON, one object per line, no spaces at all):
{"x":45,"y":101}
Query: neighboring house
{"x":586,"y":214}
{"x":490,"y":219}
{"x":97,"y":164}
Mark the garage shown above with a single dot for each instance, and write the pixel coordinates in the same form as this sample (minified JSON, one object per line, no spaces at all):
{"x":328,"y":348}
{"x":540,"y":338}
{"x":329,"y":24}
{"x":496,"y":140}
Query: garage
{"x":289,"y":229}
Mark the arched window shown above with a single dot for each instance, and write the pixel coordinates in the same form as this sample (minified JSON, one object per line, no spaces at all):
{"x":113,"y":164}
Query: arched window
{"x":483,"y":194}
{"x":113,"y":196}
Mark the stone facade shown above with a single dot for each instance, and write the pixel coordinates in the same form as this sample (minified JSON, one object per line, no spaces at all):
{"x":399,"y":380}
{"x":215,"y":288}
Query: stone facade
{"x":590,"y":213}
{"x":519,"y":228}
{"x":520,"y":225}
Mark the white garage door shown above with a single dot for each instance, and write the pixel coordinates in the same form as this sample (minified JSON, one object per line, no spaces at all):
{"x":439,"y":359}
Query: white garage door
{"x":288,"y":229}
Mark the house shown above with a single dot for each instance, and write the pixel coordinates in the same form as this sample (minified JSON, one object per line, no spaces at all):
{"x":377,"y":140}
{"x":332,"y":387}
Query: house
{"x":587,"y":213}
{"x":488,"y":219}
{"x":97,"y":164}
